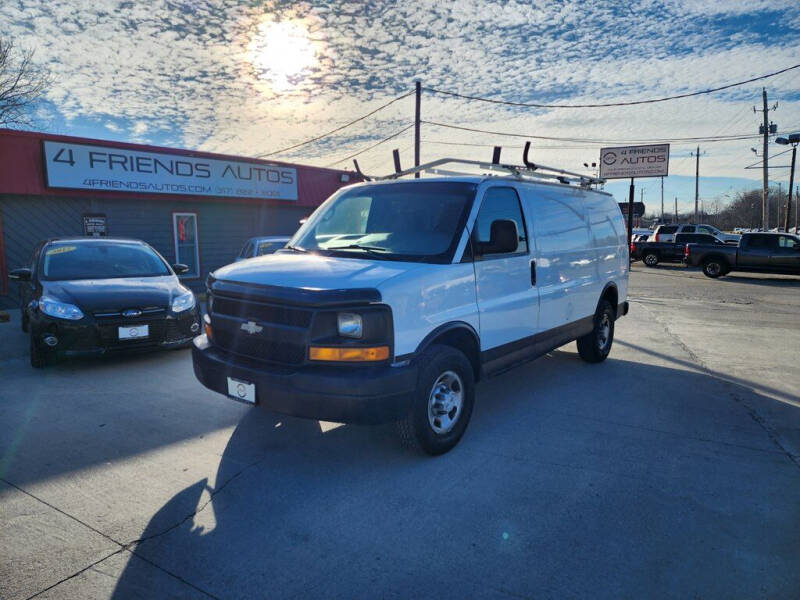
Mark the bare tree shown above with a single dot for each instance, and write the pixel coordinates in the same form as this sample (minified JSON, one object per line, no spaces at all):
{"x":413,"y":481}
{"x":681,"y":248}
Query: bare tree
{"x":22,"y":83}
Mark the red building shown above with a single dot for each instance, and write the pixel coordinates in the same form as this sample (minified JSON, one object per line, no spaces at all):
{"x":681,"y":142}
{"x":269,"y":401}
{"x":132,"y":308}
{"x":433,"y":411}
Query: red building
{"x":196,"y":208}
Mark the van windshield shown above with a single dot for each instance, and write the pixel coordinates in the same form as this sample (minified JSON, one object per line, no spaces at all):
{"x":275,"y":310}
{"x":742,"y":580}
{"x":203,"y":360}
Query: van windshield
{"x":415,"y":221}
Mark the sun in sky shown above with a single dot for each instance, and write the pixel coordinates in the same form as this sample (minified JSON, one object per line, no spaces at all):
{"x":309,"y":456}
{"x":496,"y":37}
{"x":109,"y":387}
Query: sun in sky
{"x":282,"y":53}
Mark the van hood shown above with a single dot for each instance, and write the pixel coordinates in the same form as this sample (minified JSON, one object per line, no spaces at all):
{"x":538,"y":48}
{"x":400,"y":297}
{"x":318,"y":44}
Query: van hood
{"x":312,"y":272}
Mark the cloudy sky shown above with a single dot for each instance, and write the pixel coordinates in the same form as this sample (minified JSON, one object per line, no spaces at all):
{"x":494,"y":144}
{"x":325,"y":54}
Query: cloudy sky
{"x":251,"y":77}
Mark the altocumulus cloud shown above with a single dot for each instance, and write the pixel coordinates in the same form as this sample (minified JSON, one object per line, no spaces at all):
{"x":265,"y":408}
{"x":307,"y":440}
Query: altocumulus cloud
{"x":249,"y":77}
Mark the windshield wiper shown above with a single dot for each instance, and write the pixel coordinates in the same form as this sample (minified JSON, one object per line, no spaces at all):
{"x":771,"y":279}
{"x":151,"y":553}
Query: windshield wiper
{"x":358,"y":247}
{"x":294,"y":248}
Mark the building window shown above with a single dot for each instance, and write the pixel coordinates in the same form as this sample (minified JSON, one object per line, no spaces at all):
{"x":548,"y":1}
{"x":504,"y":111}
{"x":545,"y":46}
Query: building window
{"x":187,"y":251}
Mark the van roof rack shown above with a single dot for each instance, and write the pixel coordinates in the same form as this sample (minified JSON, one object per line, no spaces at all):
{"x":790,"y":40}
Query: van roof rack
{"x":527,"y":171}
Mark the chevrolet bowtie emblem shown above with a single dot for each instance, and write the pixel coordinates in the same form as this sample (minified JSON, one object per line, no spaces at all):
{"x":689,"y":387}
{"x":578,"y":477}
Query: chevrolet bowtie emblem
{"x":252,"y":327}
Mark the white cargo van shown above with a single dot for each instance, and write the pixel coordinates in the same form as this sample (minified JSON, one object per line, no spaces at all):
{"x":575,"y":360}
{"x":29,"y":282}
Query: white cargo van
{"x":397,"y":296}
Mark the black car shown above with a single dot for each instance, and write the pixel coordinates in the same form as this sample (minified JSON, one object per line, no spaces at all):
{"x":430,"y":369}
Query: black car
{"x":91,"y":296}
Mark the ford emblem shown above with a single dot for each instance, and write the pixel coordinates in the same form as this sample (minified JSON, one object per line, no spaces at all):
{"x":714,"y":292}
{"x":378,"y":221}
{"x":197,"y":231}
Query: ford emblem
{"x":132,"y":312}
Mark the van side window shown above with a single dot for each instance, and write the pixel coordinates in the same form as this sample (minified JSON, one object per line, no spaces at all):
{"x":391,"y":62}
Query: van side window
{"x":498,"y":203}
{"x":688,"y":229}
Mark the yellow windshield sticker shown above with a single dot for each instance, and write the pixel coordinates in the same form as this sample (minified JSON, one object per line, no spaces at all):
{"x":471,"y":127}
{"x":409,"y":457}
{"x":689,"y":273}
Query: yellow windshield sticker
{"x":60,"y":250}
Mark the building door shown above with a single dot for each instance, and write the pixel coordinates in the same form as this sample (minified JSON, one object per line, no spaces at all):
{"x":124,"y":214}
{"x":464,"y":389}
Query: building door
{"x":3,"y":265}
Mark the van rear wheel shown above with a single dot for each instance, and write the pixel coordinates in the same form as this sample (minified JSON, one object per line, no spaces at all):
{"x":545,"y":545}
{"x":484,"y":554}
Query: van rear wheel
{"x":442,"y":403}
{"x":595,"y":346}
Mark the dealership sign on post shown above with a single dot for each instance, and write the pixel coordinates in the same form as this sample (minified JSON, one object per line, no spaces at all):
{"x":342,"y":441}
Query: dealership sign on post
{"x":634,"y":161}
{"x":87,"y":167}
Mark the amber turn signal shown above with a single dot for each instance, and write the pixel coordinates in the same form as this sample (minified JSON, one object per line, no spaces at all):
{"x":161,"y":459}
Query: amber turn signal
{"x":208,"y":330}
{"x":349,"y":354}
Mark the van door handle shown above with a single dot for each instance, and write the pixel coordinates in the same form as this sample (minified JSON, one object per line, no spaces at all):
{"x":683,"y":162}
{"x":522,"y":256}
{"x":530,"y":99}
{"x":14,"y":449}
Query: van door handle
{"x":533,"y":272}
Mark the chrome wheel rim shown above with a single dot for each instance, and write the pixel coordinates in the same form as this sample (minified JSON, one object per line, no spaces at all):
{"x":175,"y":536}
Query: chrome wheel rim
{"x":650,"y":260}
{"x":445,"y":402}
{"x":713,"y":268}
{"x":604,"y":332}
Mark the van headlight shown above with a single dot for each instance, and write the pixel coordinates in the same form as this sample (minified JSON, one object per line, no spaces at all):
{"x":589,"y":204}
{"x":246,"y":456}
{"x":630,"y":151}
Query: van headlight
{"x":350,"y":325}
{"x":183,"y":302}
{"x":59,"y":310}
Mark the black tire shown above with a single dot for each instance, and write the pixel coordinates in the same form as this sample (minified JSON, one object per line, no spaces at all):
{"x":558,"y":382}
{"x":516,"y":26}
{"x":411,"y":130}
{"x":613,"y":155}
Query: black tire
{"x":25,"y":326}
{"x":714,"y":267}
{"x":418,"y":429}
{"x":650,"y":259}
{"x":595,"y":346}
{"x":39,"y":358}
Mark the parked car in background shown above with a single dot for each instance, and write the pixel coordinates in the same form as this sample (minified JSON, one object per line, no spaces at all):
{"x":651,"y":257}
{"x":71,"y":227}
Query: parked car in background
{"x":652,"y":253}
{"x":757,"y":252}
{"x":90,"y":296}
{"x":394,"y":298}
{"x":260,"y":246}
{"x":667,"y":233}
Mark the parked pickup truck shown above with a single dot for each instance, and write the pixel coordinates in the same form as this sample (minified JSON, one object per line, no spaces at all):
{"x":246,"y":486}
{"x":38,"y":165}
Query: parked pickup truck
{"x":652,"y":253}
{"x":757,"y":252}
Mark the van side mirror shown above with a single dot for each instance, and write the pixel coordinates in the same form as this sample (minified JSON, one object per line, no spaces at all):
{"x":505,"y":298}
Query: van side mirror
{"x":23,"y":274}
{"x":503,"y":238}
{"x":180,"y":268}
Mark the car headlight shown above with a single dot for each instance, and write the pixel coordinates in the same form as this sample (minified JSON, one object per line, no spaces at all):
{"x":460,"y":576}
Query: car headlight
{"x":183,"y":302}
{"x":349,"y":325}
{"x":59,"y":310}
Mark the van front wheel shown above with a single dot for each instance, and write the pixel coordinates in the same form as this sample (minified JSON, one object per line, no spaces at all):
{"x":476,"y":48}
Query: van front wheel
{"x":595,"y":346}
{"x":442,"y":403}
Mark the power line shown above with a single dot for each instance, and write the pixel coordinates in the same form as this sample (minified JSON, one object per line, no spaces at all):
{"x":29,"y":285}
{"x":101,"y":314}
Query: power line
{"x":596,"y":141}
{"x":324,"y":135}
{"x":386,"y":139}
{"x":630,"y":103}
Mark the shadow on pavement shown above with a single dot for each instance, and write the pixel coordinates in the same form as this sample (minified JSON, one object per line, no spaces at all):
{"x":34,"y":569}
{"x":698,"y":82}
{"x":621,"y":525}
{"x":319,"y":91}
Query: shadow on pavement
{"x":783,"y":281}
{"x":572,"y":480}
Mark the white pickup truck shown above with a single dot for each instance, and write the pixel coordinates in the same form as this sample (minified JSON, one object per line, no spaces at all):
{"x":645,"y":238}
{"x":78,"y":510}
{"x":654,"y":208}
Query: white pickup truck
{"x":396,"y":297}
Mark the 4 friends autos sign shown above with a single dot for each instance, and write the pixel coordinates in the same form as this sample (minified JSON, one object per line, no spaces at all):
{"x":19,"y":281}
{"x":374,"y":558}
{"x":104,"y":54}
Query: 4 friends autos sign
{"x":634,"y":161}
{"x":87,"y":167}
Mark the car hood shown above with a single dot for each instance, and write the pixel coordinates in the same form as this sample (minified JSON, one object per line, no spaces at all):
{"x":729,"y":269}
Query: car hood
{"x":119,"y":293}
{"x":313,"y":272}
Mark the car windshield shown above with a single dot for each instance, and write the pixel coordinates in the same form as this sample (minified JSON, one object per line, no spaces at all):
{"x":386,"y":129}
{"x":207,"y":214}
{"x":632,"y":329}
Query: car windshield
{"x":268,"y":247}
{"x":100,"y":260}
{"x":415,"y":221}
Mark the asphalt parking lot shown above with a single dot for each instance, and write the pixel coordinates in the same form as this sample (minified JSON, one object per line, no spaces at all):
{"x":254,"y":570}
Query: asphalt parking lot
{"x":671,"y":470}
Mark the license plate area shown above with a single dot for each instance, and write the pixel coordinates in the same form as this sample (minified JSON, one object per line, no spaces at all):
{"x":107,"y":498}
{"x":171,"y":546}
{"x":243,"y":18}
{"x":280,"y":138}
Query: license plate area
{"x":134,"y":332}
{"x":243,"y":391}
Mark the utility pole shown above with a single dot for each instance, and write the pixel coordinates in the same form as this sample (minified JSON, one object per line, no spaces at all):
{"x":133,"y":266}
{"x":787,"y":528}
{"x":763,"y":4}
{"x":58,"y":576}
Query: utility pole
{"x":662,"y":198}
{"x":765,"y":129}
{"x":697,"y":184}
{"x":789,"y":199}
{"x":676,"y":209}
{"x":796,"y":206}
{"x":417,"y":124}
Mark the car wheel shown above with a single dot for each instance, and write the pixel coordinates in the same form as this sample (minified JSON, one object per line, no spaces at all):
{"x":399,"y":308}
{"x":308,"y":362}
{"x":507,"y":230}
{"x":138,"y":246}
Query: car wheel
{"x":713,"y":268}
{"x":595,"y":346}
{"x":442,"y":403}
{"x":39,"y":358}
{"x":650,"y":259}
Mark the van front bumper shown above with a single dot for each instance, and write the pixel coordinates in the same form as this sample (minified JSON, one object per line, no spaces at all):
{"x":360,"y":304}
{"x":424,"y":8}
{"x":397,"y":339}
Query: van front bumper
{"x":356,"y":394}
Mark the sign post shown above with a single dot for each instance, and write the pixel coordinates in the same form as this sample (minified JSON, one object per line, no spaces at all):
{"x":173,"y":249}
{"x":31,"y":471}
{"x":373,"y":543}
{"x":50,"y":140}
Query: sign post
{"x":634,"y":161}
